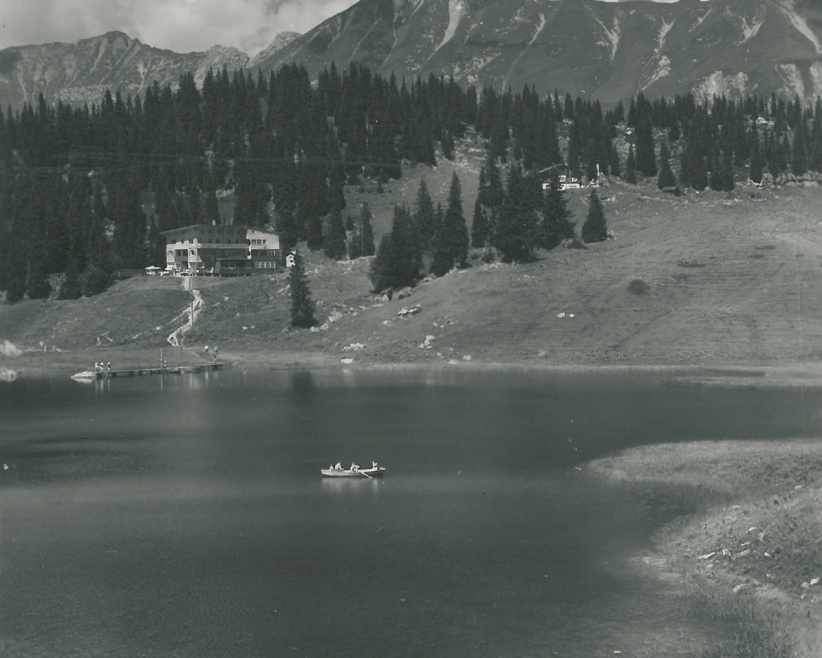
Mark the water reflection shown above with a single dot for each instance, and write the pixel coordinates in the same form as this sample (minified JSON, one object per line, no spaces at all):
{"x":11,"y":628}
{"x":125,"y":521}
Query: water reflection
{"x":302,"y":382}
{"x":348,"y":486}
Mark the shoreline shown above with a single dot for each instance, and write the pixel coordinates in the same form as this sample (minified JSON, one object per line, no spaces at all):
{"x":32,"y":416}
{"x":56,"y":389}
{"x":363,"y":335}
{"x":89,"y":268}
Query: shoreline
{"x":751,"y":546}
{"x":44,"y":364}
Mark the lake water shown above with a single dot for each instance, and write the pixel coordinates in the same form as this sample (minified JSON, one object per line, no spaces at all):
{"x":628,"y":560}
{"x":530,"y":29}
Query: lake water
{"x":186,"y":516}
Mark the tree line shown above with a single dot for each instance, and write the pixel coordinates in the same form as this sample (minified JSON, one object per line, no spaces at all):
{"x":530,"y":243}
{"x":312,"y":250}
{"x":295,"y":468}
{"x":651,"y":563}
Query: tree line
{"x":86,"y":191}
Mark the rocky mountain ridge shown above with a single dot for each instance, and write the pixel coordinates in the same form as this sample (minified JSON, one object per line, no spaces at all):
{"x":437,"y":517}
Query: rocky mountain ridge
{"x":605,"y":49}
{"x":81,"y":72}
{"x":609,"y":50}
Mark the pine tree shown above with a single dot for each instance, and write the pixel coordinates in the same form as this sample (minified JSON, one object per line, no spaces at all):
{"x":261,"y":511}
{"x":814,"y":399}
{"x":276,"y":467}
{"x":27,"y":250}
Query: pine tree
{"x":212,"y":208}
{"x":515,"y":228}
{"x":479,"y":226}
{"x":366,"y":232}
{"x":399,"y":258}
{"x":630,"y":167}
{"x":595,"y":228}
{"x":71,"y":287}
{"x":716,"y":179}
{"x":757,"y":161}
{"x":556,"y":218}
{"x":314,"y":232}
{"x":645,"y":157}
{"x":302,"y":306}
{"x":38,"y":284}
{"x":287,"y":229}
{"x":425,"y":215}
{"x":799,"y":158}
{"x":727,"y":171}
{"x":666,"y":180}
{"x":97,"y":280}
{"x":454,"y":232}
{"x":614,"y":166}
{"x":383,"y":270}
{"x":442,"y":261}
{"x":335,"y":240}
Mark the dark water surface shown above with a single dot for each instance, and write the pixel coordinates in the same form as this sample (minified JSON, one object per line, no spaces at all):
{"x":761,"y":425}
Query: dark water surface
{"x":186,"y":516}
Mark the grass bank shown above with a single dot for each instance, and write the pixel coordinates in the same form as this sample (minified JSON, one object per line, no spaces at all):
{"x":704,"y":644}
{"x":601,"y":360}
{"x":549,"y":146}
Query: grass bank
{"x":754,"y":549}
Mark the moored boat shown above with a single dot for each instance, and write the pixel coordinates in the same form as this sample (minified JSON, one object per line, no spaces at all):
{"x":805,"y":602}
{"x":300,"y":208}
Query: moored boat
{"x":354,"y":471}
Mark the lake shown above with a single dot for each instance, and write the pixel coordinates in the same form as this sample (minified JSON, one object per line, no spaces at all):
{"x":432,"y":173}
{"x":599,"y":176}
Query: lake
{"x":185,"y":516}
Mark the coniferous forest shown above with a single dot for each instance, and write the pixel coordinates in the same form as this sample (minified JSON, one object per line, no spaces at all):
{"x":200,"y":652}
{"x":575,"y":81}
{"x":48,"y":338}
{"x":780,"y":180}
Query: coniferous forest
{"x":87,"y":191}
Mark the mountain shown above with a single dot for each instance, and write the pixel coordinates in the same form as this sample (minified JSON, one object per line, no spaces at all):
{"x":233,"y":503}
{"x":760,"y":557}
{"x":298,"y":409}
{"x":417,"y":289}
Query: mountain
{"x":278,"y":43}
{"x":81,"y":72}
{"x":606,"y":49}
{"x":610,"y":50}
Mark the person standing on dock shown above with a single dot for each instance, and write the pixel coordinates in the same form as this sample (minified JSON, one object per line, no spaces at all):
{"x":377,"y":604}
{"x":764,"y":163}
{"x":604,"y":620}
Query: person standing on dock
{"x":108,"y":367}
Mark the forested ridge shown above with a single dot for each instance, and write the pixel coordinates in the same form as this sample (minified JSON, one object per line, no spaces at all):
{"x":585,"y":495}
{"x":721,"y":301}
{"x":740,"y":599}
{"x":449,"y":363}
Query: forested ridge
{"x":87,"y":191}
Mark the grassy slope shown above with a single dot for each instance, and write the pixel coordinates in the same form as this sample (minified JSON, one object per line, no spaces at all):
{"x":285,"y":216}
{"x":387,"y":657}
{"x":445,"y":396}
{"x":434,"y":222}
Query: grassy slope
{"x":758,"y":535}
{"x":137,"y":311}
{"x":731,"y":279}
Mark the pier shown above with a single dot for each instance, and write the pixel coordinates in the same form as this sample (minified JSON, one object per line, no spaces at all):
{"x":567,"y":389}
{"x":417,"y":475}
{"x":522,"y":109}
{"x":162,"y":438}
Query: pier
{"x":90,"y":375}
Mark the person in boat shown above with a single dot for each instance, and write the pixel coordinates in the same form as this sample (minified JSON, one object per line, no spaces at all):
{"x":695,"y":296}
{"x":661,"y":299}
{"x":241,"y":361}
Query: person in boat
{"x":108,"y":366}
{"x":355,"y":467}
{"x":374,"y":464}
{"x":338,"y":466}
{"x":97,"y":366}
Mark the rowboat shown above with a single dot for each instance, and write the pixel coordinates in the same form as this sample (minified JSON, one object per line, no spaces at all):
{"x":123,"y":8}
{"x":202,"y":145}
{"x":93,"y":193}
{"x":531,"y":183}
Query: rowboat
{"x":85,"y":377}
{"x":362,"y":473}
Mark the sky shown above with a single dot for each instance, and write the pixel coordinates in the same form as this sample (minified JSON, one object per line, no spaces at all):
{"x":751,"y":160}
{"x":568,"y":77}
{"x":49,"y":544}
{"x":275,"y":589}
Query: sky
{"x":180,"y":25}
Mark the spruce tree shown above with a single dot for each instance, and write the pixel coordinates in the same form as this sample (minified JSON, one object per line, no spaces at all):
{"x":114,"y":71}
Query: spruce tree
{"x":757,"y":161}
{"x":727,"y":171}
{"x":455,"y":231}
{"x":614,"y":167}
{"x":212,"y":208}
{"x":425,"y":215}
{"x":515,"y":228}
{"x":556,"y":218}
{"x":595,"y":228}
{"x":799,"y":159}
{"x":335,"y":240}
{"x":38,"y":286}
{"x":630,"y":167}
{"x":98,"y":278}
{"x":665,"y":180}
{"x":71,"y":287}
{"x":382,"y":272}
{"x":479,"y":226}
{"x":287,"y":229}
{"x":645,"y":156}
{"x":314,"y":232}
{"x":399,"y":258}
{"x":302,"y":306}
{"x":716,"y":179}
{"x":366,"y":232}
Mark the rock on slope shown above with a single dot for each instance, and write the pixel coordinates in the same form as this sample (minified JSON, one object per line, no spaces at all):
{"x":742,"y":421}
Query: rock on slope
{"x":609,"y":50}
{"x":80,"y":72}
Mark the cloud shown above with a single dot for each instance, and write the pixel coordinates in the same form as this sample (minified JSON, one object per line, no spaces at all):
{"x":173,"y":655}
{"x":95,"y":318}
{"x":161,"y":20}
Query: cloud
{"x":181,"y":25}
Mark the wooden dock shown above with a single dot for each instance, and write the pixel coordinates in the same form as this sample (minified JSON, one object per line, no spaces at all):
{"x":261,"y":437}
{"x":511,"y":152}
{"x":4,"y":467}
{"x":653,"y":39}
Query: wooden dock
{"x":139,"y":372}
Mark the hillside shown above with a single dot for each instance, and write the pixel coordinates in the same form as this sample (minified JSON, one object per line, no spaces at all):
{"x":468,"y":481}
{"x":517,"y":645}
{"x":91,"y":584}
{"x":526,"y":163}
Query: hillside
{"x":725,"y":278}
{"x":607,"y":50}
